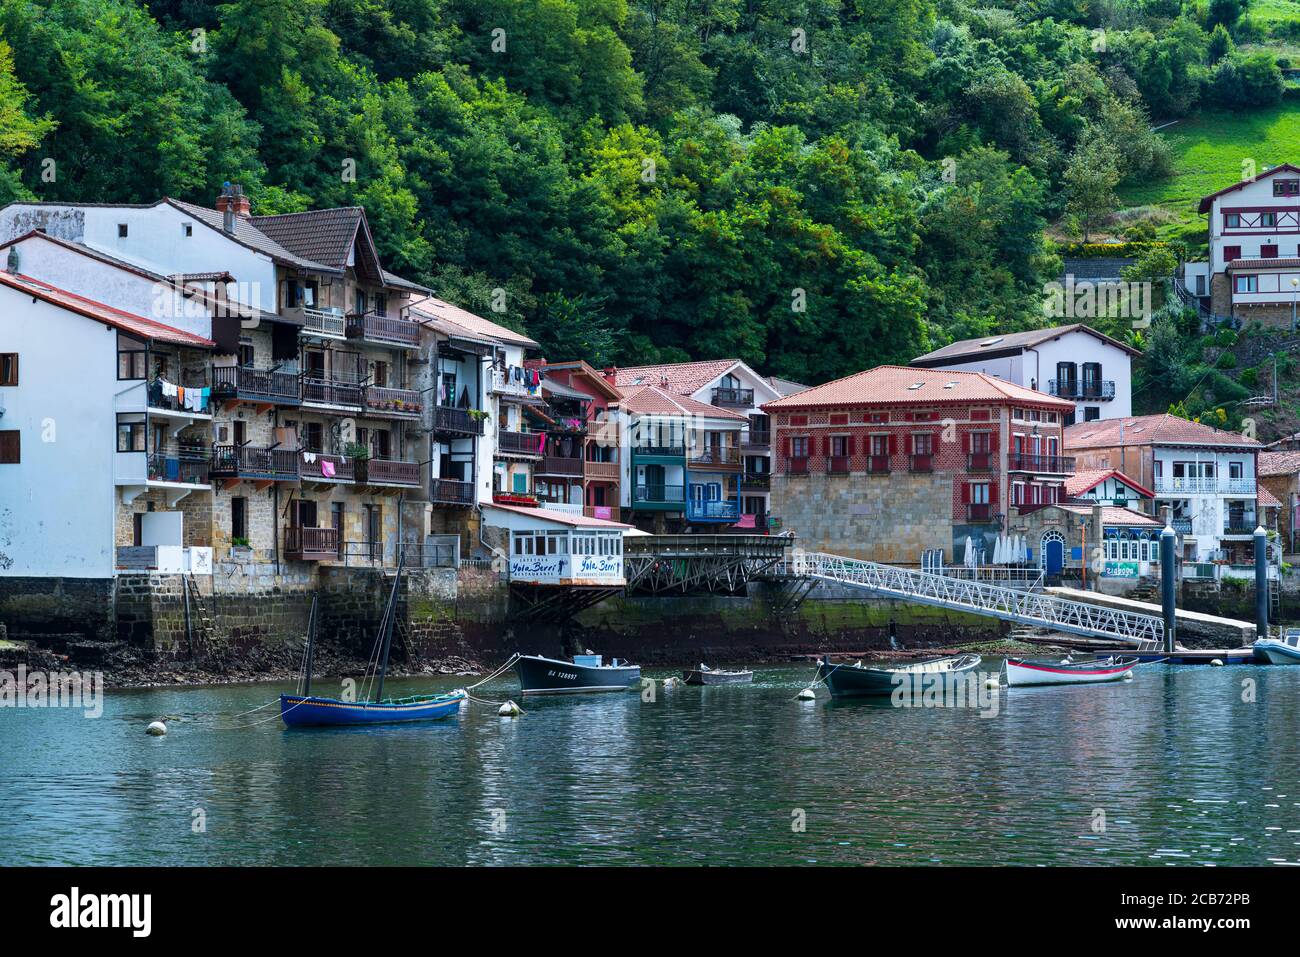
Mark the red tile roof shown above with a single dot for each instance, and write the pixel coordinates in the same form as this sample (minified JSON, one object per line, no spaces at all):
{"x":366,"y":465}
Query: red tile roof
{"x":1012,"y":342}
{"x":1088,"y":479}
{"x":564,"y":518}
{"x":468,"y":324}
{"x":652,"y":400}
{"x":680,"y":377}
{"x":904,"y":385}
{"x":126,"y":321}
{"x":1265,"y":498}
{"x":1139,"y":430}
{"x":1278,"y":263}
{"x":1114,"y":515}
{"x":1278,"y":463}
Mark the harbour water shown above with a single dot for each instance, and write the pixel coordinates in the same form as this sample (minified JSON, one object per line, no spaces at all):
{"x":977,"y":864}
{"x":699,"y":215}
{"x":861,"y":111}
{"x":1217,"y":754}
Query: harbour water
{"x":1179,"y":766}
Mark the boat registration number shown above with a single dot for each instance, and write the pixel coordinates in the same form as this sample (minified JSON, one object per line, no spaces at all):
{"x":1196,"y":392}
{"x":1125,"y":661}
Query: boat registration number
{"x":566,"y":675}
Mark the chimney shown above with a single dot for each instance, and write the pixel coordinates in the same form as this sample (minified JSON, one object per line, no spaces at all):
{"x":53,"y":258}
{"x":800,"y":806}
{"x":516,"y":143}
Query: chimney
{"x":13,"y":263}
{"x":610,"y":374}
{"x":231,"y":203}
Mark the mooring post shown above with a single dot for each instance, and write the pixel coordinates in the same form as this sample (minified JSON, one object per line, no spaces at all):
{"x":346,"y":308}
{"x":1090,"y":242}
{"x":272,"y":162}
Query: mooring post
{"x":1261,"y":582}
{"x":1167,"y":540}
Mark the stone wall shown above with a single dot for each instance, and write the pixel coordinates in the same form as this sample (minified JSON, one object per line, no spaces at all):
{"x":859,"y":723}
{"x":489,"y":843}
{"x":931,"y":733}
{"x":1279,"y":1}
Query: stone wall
{"x":57,"y":606}
{"x":885,"y":518}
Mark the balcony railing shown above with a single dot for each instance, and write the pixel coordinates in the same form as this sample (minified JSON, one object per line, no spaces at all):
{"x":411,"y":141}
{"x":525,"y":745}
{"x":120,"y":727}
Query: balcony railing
{"x":838,"y":465}
{"x":306,"y":544}
{"x":609,"y":513}
{"x":1240,"y":525}
{"x":722,"y":457}
{"x":1183,"y":526}
{"x":979,"y":512}
{"x":451,"y":492}
{"x":456,"y":421}
{"x":321,"y":463}
{"x":521,"y":443}
{"x":326,"y":391}
{"x":797,"y":465}
{"x":980,"y":462}
{"x":326,"y":322}
{"x":756,"y":442}
{"x":1052,"y":464}
{"x":663,"y":451}
{"x":712,"y":511}
{"x":739,"y":398}
{"x":382,"y":400}
{"x":601,"y":471}
{"x":505,"y":383}
{"x":1202,"y":485}
{"x":259,"y":385}
{"x":254,"y":462}
{"x":659,"y":494}
{"x":920,"y":463}
{"x":756,"y":483}
{"x":157,"y":400}
{"x":1067,"y":389}
{"x":373,"y":327}
{"x":878,"y":464}
{"x":184,"y":464}
{"x":560,"y":465}
{"x":390,"y":472}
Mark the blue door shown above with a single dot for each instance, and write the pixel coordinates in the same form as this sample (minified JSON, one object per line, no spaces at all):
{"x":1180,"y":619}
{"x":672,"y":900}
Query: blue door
{"x":1053,"y":557}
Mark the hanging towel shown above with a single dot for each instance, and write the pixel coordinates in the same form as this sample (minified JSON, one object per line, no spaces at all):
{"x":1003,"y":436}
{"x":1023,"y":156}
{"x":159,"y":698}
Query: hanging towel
{"x":327,"y":468}
{"x":541,"y":444}
{"x":168,"y":388}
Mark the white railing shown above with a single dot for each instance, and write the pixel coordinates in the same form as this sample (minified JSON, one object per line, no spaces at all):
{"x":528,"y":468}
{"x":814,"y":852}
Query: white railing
{"x":1008,"y":604}
{"x":1205,"y":486}
{"x":1008,"y":575}
{"x":328,"y":322}
{"x":504,"y":383}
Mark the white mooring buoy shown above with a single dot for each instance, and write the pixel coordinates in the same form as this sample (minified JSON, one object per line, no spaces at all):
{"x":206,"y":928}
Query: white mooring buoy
{"x":510,"y":710}
{"x":156,"y":728}
{"x":672,"y":682}
{"x":807,"y":694}
{"x":993,"y":683}
{"x":1217,"y":661}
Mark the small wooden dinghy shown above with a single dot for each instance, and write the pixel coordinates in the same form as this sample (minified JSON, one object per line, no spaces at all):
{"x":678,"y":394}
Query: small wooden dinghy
{"x":1280,"y":651}
{"x":1021,"y":671}
{"x":308,"y":710}
{"x":847,"y":681}
{"x":539,"y":675}
{"x":704,"y":675}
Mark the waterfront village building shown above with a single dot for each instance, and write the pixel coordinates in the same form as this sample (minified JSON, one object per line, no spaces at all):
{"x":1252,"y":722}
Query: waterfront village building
{"x":548,"y":547}
{"x":889,"y":463}
{"x":1253,"y":269}
{"x":727,"y":384}
{"x":1063,"y":540}
{"x":1073,"y":362}
{"x":581,"y":471}
{"x":681,"y":461}
{"x":316,"y":440}
{"x":1206,"y":475}
{"x":1279,"y":478}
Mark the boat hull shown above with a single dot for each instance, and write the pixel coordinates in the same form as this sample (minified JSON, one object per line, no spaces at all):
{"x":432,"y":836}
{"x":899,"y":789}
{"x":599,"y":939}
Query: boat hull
{"x":696,"y":677}
{"x":538,"y":675}
{"x":311,"y":711}
{"x":1276,"y":653}
{"x":1021,"y":673}
{"x":851,"y":682}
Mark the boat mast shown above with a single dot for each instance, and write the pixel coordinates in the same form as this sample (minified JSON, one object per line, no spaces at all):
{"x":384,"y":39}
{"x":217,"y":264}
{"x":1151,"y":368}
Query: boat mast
{"x":389,"y":614}
{"x":311,"y":646}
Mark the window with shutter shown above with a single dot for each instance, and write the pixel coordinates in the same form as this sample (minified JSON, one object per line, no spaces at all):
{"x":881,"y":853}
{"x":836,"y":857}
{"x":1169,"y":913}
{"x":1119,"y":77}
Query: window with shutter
{"x":10,"y":447}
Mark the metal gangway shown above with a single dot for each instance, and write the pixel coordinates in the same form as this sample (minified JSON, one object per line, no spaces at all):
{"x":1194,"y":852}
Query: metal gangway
{"x":979,"y":598}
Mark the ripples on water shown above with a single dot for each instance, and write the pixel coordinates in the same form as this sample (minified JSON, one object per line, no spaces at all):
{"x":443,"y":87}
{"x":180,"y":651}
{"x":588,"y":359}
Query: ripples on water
{"x":1183,"y":770}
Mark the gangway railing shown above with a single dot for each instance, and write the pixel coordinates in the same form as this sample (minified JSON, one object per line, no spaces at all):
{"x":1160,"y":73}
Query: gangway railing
{"x":1009,"y":604}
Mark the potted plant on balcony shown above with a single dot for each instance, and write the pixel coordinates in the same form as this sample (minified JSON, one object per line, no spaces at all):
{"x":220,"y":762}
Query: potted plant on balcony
{"x":360,"y":456}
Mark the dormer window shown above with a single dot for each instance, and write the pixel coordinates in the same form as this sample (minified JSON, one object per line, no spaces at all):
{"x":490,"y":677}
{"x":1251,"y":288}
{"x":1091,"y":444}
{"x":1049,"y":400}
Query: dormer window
{"x":1286,"y":187}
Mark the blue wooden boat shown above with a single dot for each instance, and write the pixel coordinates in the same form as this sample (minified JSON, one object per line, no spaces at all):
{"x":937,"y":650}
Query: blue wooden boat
{"x":308,"y":710}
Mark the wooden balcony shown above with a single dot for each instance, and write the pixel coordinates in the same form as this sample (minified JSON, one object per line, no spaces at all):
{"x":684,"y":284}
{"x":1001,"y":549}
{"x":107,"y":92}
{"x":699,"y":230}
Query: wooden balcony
{"x":601,"y":471}
{"x":254,"y":463}
{"x":1050,"y":464}
{"x":334,"y":392}
{"x":609,"y":513}
{"x":402,"y":403}
{"x":390,"y":472}
{"x":384,"y":330}
{"x":521,"y":443}
{"x":341,"y":466}
{"x":451,"y":492}
{"x":715,"y":458}
{"x":453,"y":421}
{"x":259,"y":386}
{"x":304,"y":544}
{"x":560,"y":465}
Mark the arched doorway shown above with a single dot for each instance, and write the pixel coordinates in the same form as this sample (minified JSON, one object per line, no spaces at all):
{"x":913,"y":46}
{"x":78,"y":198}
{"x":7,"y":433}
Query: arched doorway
{"x":1051,"y":557}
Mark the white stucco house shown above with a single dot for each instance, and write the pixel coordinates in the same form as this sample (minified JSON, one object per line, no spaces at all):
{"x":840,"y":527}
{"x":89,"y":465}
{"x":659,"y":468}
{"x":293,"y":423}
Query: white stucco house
{"x":1073,"y":362}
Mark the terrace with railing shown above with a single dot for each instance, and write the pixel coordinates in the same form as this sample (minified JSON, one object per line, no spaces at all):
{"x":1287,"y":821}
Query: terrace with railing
{"x":383,"y":330}
{"x":721,"y":457}
{"x":254,"y":462}
{"x":733,"y":398}
{"x":1204,"y":485}
{"x":712,"y":510}
{"x":560,"y":465}
{"x":245,"y":383}
{"x":385,"y":401}
{"x":332,"y":390}
{"x":183,"y":464}
{"x":651,"y":495}
{"x":452,"y":421}
{"x":306,"y":544}
{"x":339,"y":467}
{"x":520,"y":443}
{"x":1050,"y":464}
{"x":508,"y":382}
{"x":321,"y":322}
{"x":389,"y":472}
{"x":1099,"y":390}
{"x":451,"y":492}
{"x":601,"y":471}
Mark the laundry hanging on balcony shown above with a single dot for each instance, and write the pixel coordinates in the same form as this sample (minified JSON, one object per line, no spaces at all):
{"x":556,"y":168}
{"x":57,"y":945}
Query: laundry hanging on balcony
{"x":194,"y":399}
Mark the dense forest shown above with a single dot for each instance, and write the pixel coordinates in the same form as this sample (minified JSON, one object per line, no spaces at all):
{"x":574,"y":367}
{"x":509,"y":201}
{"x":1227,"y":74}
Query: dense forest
{"x":815,"y":186}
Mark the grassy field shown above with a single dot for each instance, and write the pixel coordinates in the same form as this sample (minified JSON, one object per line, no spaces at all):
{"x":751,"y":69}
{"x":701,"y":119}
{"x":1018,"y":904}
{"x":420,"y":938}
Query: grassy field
{"x":1209,"y":151}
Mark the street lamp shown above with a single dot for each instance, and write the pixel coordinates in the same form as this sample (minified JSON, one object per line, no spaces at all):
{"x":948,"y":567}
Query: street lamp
{"x":1295,"y":285}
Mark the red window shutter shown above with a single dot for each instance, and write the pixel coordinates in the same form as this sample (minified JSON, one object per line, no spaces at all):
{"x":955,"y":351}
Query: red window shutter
{"x":1231,"y":252}
{"x":993,"y":441}
{"x":786,"y":440}
{"x":965,"y":493}
{"x":1267,"y":251}
{"x":852,"y":446}
{"x":893,"y":443}
{"x":965,"y":443}
{"x":993,"y":493}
